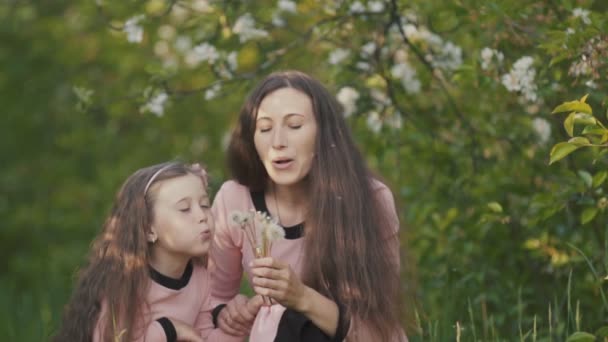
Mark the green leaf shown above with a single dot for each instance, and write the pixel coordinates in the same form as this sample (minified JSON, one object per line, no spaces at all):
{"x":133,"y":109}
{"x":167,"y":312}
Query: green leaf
{"x":579,"y":141}
{"x":581,"y":336}
{"x":588,"y":215}
{"x":573,"y":106}
{"x":602,"y":332}
{"x":569,"y":124}
{"x":584,"y":98}
{"x":495,"y":207}
{"x":586,"y":177}
{"x":599,"y":178}
{"x":594,"y":130}
{"x":585,"y":119}
{"x":561,"y":150}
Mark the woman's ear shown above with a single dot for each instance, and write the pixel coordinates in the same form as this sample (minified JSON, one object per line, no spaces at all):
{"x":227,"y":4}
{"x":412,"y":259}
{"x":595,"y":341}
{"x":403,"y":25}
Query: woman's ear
{"x":152,"y":236}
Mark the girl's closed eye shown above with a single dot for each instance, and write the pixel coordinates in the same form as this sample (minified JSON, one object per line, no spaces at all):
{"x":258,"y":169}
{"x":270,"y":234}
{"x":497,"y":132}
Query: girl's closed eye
{"x":184,"y":209}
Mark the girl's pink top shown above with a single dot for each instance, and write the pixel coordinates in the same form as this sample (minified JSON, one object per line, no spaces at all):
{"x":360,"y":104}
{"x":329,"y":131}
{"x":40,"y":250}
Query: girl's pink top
{"x":231,"y":254}
{"x":187,"y":299}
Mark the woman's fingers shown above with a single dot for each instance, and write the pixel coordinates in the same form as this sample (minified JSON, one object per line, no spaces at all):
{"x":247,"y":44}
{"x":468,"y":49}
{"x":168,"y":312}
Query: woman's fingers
{"x":267,"y":272}
{"x":269,"y":283}
{"x":267,"y":262}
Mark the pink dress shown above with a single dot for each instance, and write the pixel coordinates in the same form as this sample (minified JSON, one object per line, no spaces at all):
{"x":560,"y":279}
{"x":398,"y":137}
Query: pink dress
{"x":187,"y":299}
{"x":231,"y":254}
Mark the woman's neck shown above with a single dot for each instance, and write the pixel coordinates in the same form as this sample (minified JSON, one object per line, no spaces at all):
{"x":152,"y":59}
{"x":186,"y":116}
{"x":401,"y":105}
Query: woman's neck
{"x":168,"y":264}
{"x":287,"y":203}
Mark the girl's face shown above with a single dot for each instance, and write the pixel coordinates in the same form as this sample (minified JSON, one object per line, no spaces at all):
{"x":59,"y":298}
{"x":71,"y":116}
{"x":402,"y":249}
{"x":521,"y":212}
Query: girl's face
{"x":183,"y":221}
{"x":285,"y":134}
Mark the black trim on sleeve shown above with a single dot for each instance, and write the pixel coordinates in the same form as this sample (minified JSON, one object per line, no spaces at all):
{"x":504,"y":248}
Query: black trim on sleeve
{"x":292,"y":232}
{"x":169,"y":329}
{"x":295,"y":327}
{"x":215,"y":313}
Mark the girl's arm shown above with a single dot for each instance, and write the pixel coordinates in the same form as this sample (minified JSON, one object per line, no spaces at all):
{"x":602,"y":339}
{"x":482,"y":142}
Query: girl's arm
{"x":204,"y":322}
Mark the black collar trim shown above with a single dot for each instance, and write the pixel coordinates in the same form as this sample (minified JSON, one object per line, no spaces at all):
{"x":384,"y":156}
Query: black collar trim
{"x":172,"y":283}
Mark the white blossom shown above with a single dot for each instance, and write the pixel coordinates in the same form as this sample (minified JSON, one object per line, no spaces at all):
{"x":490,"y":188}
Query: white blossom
{"x":395,"y":120}
{"x":570,"y":31}
{"x":202,"y":6}
{"x":183,"y":44}
{"x":404,"y":72}
{"x":348,"y":96}
{"x":368,"y":49}
{"x":213,"y":91}
{"x":232,"y":60}
{"x":521,"y":78}
{"x":591,"y":84}
{"x":487,"y":55}
{"x":156,"y":104}
{"x":450,"y":57}
{"x":542,"y":128}
{"x":287,"y":6}
{"x":363,"y":66}
{"x":180,"y":13}
{"x":204,"y":52}
{"x":374,"y":123}
{"x":375,"y":6}
{"x":357,"y":7}
{"x":338,"y":55}
{"x":166,"y":32}
{"x":244,"y":27}
{"x":161,"y":48}
{"x":380,"y":97}
{"x":134,"y":31}
{"x":583,"y":14}
{"x":277,"y":20}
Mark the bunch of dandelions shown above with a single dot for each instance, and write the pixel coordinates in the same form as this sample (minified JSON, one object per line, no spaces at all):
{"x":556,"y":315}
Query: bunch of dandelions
{"x":261,"y":230}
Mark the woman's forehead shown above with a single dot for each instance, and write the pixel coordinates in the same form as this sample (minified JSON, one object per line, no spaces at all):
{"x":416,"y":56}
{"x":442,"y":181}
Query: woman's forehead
{"x":285,"y":101}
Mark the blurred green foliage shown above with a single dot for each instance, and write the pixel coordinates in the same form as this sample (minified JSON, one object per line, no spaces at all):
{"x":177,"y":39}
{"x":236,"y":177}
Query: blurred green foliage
{"x":506,"y":246}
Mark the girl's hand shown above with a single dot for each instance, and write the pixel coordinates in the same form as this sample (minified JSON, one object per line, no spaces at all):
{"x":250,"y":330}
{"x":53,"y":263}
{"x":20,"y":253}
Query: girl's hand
{"x":237,"y":317}
{"x":277,"y":280}
{"x":185,"y":332}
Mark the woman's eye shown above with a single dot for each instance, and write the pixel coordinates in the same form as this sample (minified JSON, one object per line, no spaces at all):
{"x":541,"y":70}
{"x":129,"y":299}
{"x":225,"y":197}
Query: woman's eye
{"x":264,"y":129}
{"x":295,"y":126}
{"x":205,"y":206}
{"x":185,"y":210}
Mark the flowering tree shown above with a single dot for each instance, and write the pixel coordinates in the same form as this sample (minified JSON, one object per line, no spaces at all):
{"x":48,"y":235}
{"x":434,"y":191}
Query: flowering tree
{"x":451,"y":102}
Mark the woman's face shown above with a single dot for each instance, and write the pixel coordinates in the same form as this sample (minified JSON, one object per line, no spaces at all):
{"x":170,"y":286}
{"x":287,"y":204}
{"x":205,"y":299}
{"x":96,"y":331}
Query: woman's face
{"x":285,"y":135}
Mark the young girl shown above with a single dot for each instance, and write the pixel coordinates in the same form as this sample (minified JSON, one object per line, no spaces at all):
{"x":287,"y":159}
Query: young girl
{"x":147,"y":279}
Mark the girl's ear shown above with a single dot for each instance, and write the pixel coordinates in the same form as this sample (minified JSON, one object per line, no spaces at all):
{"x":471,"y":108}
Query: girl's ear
{"x":152,"y":236}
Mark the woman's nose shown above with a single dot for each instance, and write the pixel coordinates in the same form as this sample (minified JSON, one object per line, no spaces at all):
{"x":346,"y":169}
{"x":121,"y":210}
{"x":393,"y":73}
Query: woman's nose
{"x":278,"y":138}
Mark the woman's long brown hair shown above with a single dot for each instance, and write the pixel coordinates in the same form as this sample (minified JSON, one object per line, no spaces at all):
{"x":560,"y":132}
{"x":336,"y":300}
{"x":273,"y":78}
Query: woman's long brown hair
{"x":117,"y":272}
{"x":347,"y":234}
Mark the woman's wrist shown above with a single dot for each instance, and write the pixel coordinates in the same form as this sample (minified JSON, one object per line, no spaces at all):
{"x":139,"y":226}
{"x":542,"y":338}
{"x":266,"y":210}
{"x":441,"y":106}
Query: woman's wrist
{"x":306,"y":298}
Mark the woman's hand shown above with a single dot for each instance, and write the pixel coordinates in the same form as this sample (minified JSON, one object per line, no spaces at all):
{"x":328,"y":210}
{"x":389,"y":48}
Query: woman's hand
{"x":237,"y":317}
{"x":277,"y":280}
{"x":185,"y":332}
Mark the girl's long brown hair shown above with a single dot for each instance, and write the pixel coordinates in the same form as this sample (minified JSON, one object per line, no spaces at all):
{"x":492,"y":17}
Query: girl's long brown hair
{"x":117,"y":271}
{"x":347,"y":234}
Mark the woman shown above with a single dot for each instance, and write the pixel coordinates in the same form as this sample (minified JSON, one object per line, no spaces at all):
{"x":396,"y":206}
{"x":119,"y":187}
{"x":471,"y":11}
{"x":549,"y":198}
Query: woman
{"x":336,"y":274}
